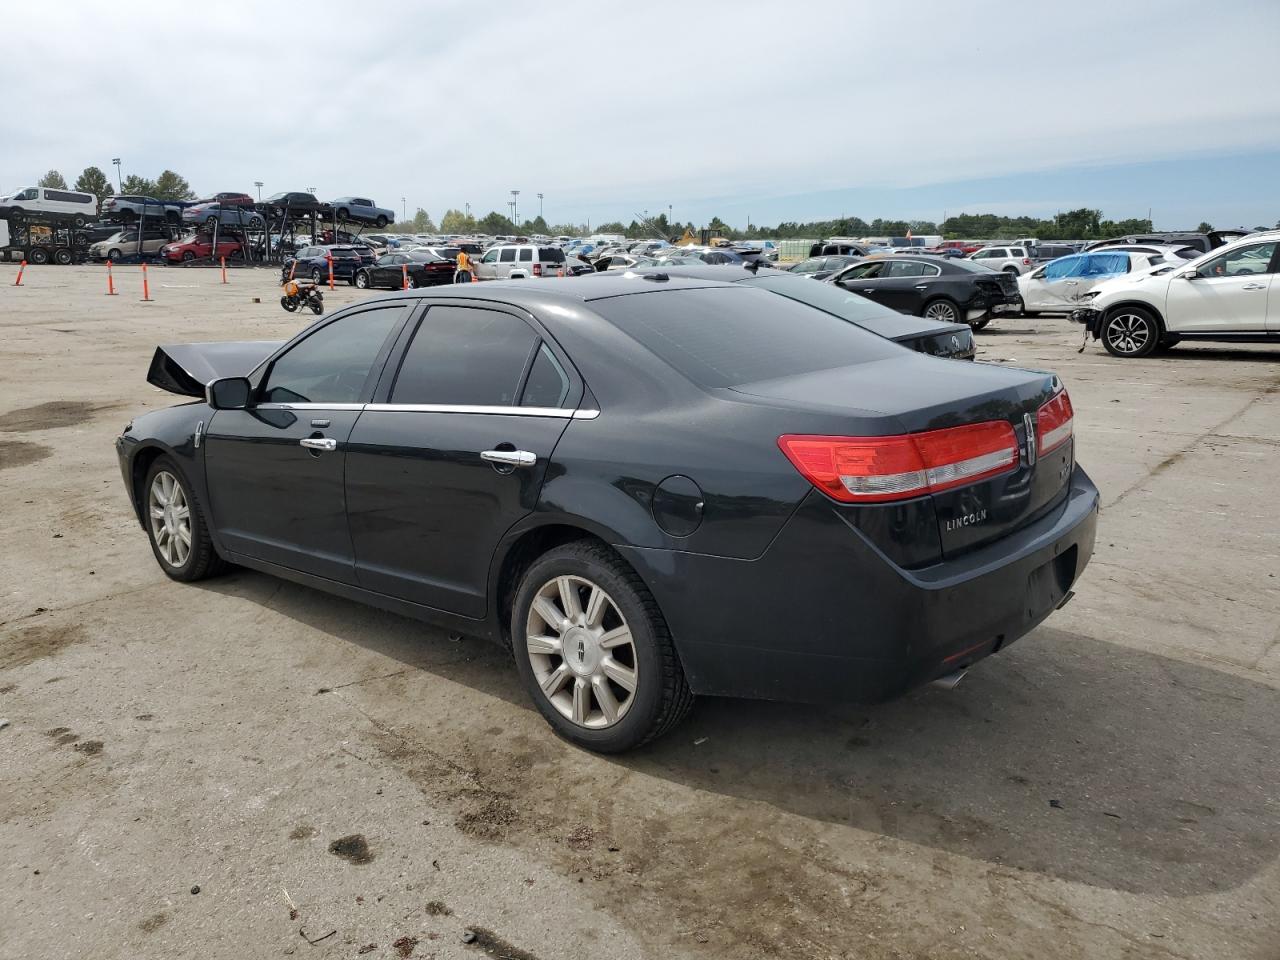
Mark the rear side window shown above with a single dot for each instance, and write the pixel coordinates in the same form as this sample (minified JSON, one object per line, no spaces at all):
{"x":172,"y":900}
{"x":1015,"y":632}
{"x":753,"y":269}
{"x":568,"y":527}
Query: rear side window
{"x":550,"y":255}
{"x":723,"y":337}
{"x":548,"y":384}
{"x":461,"y":356}
{"x":526,"y":254}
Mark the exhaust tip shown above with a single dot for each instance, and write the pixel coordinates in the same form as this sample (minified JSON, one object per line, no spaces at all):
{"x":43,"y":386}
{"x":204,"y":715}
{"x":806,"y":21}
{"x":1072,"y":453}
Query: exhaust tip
{"x":950,"y":681}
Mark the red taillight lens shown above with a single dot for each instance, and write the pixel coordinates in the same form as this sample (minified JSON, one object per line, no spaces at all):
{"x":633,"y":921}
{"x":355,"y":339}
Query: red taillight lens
{"x":537,"y":269}
{"x":1054,"y":423}
{"x":882,"y":469}
{"x":1026,"y":261}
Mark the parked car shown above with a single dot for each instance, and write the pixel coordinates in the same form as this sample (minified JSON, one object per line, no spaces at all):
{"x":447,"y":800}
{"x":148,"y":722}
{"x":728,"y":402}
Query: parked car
{"x":1229,"y":294}
{"x":819,"y":268}
{"x":209,"y":214}
{"x":1014,"y":260}
{"x":1204,"y":242}
{"x":124,"y":243}
{"x":841,"y":248}
{"x":226,"y":199}
{"x":519,"y":261}
{"x":313,"y":261}
{"x":200,"y":247}
{"x":27,"y":202}
{"x":644,"y":496}
{"x":939,"y":288}
{"x":953,"y":341}
{"x":422,"y":267}
{"x":1059,"y":286}
{"x":622,"y":261}
{"x":295,"y":202}
{"x":129,"y":208}
{"x":361,"y":210}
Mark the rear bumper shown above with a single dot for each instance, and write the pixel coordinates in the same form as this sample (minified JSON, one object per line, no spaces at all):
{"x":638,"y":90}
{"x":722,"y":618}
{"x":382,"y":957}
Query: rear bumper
{"x":1091,"y":318}
{"x":824,"y":616}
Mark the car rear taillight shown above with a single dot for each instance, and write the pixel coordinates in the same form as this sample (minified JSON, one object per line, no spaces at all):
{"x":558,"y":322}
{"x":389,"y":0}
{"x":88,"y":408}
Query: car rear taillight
{"x":882,"y":469}
{"x":1054,"y":423}
{"x":1026,"y":261}
{"x":537,"y":269}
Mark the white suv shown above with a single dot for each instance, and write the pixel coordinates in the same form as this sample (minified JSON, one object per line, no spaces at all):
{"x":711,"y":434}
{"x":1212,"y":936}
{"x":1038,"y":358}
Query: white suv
{"x":1230,"y":294}
{"x":1015,"y":260}
{"x":518,"y":261}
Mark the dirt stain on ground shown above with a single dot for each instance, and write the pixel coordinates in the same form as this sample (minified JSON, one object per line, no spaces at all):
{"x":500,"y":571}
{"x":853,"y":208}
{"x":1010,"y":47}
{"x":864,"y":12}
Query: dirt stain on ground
{"x":153,"y":922}
{"x":37,"y":642}
{"x":353,"y":848}
{"x":90,"y":747}
{"x":303,"y":832}
{"x":495,"y":946}
{"x":16,"y":453}
{"x":437,"y":908}
{"x":48,"y":416}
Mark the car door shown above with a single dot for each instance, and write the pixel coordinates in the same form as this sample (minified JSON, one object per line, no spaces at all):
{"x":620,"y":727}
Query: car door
{"x":380,"y":272}
{"x":506,"y":262}
{"x":1053,"y":286}
{"x":456,"y":455}
{"x":487,"y":268}
{"x":1226,"y":293}
{"x":908,"y":284}
{"x":275,"y":471}
{"x":866,"y":279}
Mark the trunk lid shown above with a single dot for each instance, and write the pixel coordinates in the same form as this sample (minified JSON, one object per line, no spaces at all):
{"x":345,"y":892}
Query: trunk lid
{"x":920,"y":393}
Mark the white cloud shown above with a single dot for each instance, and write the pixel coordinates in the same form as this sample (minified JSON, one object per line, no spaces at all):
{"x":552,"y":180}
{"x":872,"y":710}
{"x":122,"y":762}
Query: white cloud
{"x":635,"y":108}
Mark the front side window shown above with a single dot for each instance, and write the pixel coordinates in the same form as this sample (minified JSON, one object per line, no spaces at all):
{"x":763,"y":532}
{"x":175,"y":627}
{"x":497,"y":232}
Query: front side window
{"x":490,"y":257}
{"x":1064,"y":268}
{"x":864,"y":271}
{"x":332,"y":364}
{"x":460,"y":356}
{"x":812,"y":265}
{"x":1245,"y":261}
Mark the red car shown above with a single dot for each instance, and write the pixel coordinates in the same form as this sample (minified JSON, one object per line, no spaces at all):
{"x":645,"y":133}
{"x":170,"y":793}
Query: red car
{"x":200,"y":248}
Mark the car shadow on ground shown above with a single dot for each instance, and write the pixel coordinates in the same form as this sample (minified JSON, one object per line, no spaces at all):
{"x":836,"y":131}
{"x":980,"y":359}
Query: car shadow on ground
{"x":1065,"y":755}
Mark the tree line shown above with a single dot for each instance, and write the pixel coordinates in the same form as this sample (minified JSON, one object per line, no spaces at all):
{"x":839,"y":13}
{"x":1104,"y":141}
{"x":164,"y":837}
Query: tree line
{"x":167,"y":186}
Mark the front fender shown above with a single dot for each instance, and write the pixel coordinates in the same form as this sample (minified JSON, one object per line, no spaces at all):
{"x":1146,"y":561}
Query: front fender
{"x":171,"y":431}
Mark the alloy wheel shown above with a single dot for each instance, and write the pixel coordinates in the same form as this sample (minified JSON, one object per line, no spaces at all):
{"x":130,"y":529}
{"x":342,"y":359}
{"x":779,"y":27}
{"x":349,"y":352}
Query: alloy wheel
{"x":1128,"y":333}
{"x":582,"y":652}
{"x":170,"y":517}
{"x":942,"y":312}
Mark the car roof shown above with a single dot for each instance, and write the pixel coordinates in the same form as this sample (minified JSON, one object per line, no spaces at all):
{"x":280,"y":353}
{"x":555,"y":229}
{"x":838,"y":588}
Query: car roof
{"x":551,"y":290}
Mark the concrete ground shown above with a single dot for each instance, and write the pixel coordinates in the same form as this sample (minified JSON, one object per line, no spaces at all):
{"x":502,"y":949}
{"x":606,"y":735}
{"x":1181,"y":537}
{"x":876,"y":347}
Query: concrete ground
{"x":1109,"y":786}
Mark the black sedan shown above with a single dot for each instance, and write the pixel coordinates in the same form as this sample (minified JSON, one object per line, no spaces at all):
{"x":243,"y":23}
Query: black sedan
{"x":819,"y":268}
{"x":951,"y":340}
{"x":420,"y":268}
{"x":647,"y":489}
{"x":937,"y":288}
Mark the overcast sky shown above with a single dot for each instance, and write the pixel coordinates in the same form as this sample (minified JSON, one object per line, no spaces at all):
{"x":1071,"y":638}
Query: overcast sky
{"x":769,"y":110}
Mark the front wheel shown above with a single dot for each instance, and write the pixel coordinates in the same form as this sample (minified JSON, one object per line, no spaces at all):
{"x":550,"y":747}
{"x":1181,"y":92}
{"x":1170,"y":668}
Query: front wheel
{"x":176,"y":525}
{"x":361,"y":280}
{"x":943,"y":311}
{"x":316,"y":275}
{"x":78,"y":220}
{"x":187,"y":256}
{"x":38,"y":255}
{"x":594,"y":651}
{"x":289,"y":303}
{"x":1130,"y":332}
{"x":113,"y":255}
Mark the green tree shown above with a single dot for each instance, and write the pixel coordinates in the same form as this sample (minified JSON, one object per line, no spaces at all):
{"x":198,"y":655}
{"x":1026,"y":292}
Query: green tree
{"x":455,"y":221}
{"x":613,"y":226}
{"x":170,"y":186}
{"x":495,"y":223}
{"x":139,"y":186}
{"x":537,"y":225}
{"x":94,"y":181}
{"x":422,"y":222}
{"x":53,"y":179}
{"x":1205,"y":227}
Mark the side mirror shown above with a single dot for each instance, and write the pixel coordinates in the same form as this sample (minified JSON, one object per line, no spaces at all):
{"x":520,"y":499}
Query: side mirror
{"x":1189,"y":275}
{"x":229,"y":393}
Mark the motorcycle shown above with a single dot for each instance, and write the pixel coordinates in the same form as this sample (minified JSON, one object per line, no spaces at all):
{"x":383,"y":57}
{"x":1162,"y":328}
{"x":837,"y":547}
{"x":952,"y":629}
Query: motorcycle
{"x":299,"y":294}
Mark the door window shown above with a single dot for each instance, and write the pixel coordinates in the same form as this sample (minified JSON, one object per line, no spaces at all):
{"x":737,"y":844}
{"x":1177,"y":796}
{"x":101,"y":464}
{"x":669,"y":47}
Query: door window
{"x":1061,"y":269}
{"x":490,"y":257}
{"x":508,"y":255}
{"x":332,"y":364}
{"x":1103,"y":265}
{"x":865,"y":271}
{"x":910,"y":268}
{"x":461,"y":356}
{"x":1243,"y":262}
{"x":526,"y":254}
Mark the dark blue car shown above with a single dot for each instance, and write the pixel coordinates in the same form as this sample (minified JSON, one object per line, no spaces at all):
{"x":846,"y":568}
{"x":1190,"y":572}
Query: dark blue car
{"x":313,"y":263}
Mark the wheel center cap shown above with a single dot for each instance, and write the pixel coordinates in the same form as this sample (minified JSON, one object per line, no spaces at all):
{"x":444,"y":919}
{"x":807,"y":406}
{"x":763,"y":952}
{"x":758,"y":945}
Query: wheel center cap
{"x":581,"y":651}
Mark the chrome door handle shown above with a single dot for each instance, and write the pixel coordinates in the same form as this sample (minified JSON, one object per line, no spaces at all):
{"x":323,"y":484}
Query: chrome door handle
{"x":319,"y":443}
{"x":868,"y":289}
{"x":1254,"y":286}
{"x":510,"y":458}
{"x":922,"y":286}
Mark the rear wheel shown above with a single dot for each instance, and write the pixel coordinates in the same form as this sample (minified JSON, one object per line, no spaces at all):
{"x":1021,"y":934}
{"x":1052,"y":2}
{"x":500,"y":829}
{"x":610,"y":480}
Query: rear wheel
{"x":176,"y":525}
{"x":38,"y":255}
{"x":594,"y":651}
{"x":62,"y":255}
{"x":382,"y":222}
{"x":1130,"y":332}
{"x":316,"y":275}
{"x":78,"y":220}
{"x":943,"y":311}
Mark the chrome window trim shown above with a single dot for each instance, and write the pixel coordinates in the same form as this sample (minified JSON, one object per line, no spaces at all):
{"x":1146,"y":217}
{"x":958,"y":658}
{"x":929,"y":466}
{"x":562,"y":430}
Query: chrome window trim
{"x":489,"y":410}
{"x":308,"y":406}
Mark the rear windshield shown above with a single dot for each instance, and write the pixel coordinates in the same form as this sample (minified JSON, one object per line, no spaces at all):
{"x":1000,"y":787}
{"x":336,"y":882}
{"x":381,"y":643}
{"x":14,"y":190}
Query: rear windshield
{"x":824,"y":296}
{"x":727,"y":336}
{"x":550,"y":255}
{"x":973,"y":266}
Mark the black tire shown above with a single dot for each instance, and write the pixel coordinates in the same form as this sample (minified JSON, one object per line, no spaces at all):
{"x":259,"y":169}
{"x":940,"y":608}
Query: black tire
{"x":202,"y":559}
{"x":317,"y":307}
{"x":15,"y":214}
{"x":211,"y":222}
{"x":113,"y":255}
{"x":980,"y":323}
{"x":1131,"y":332}
{"x":361,"y":280}
{"x":343,"y":213}
{"x":412,"y":282}
{"x":661,"y":698}
{"x":77,"y":221}
{"x":188,"y":256}
{"x":1012,"y":271}
{"x":62,"y":256}
{"x":316,"y":275}
{"x":382,"y":222}
{"x":943,"y":310}
{"x":289,"y":303}
{"x":38,"y":255}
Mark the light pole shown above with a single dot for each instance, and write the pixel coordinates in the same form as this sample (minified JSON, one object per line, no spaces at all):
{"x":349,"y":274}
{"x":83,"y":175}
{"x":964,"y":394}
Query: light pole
{"x":404,"y":210}
{"x":539,"y":206}
{"x":468,"y":206}
{"x":515,"y":210}
{"x":258,"y":184}
{"x":119,"y":182}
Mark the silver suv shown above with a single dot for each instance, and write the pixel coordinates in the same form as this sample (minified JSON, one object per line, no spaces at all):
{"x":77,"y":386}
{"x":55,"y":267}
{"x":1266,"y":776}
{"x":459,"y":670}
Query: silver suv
{"x":518,"y":261}
{"x":1014,"y":260}
{"x":128,"y":208}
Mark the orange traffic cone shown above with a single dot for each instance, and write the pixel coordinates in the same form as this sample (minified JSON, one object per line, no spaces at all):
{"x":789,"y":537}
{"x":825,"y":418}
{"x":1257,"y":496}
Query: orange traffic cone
{"x":474,"y":278}
{"x":111,"y":284}
{"x":21,"y":267}
{"x":404,"y":276}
